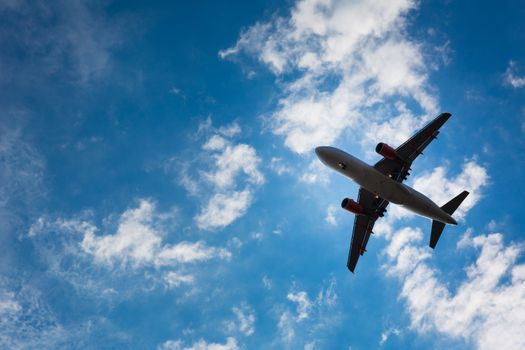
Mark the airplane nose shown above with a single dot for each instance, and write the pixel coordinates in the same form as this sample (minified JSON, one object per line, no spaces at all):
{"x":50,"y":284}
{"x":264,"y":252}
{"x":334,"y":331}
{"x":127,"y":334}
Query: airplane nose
{"x":325,"y":154}
{"x":321,"y":152}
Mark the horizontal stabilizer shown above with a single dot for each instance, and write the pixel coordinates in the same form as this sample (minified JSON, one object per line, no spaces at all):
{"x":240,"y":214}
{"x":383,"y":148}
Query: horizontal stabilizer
{"x":449,"y":208}
{"x":437,"y":228}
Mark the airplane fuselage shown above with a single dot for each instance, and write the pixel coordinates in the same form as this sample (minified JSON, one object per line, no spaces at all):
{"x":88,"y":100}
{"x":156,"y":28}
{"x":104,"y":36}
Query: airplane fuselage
{"x":381,"y":185}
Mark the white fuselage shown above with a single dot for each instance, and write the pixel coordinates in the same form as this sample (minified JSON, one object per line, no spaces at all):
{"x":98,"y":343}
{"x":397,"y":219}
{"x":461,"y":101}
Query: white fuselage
{"x":381,"y":185}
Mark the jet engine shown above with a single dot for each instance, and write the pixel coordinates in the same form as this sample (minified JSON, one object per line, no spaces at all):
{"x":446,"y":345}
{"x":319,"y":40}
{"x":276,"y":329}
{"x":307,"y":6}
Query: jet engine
{"x":386,"y":151}
{"x":352,"y":206}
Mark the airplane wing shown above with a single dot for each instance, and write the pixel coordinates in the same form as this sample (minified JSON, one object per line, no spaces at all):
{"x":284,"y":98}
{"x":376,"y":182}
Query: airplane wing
{"x":363,"y":225}
{"x":399,"y":169}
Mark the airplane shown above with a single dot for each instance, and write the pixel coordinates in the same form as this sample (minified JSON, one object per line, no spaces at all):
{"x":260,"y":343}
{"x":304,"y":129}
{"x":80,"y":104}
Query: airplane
{"x":383,"y":183}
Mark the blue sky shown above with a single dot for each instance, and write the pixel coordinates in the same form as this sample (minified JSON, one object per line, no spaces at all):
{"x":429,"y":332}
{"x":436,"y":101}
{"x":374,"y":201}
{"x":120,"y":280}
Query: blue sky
{"x":159,"y":189}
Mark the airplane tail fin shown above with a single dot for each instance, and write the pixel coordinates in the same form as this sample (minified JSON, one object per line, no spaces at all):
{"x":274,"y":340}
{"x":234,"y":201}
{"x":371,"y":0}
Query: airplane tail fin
{"x":449,"y":208}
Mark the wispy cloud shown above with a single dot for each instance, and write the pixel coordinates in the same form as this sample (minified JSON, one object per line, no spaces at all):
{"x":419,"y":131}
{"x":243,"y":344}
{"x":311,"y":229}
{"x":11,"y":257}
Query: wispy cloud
{"x":231,"y":179}
{"x":303,"y":304}
{"x":387,"y":334}
{"x":69,"y":40}
{"x":174,"y":279}
{"x":312,"y":316}
{"x":28,"y":321}
{"x":79,"y":252}
{"x":279,"y":166}
{"x":22,"y":167}
{"x":231,"y":344}
{"x":512,"y":78}
{"x":25,"y":320}
{"x":316,"y":172}
{"x":330,"y":215}
{"x":245,"y":319}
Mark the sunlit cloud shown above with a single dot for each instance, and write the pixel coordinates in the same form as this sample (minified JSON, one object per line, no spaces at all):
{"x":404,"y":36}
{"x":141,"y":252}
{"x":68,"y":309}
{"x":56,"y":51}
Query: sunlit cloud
{"x":350,"y":59}
{"x":486,"y":307}
{"x":228,"y":185}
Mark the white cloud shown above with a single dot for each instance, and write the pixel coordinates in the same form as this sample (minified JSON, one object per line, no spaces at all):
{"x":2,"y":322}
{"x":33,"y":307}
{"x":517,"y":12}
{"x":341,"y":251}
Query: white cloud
{"x":327,"y":296}
{"x":309,"y":346}
{"x":186,"y":180}
{"x":315,"y":173}
{"x":387,"y":334}
{"x":128,"y":255}
{"x":233,"y":177}
{"x":267,"y":282}
{"x":135,"y":241}
{"x":511,"y":78}
{"x":231,"y":162}
{"x":8,"y":303}
{"x":138,"y":241}
{"x":175,"y":279}
{"x":231,"y":344}
{"x":42,"y":224}
{"x":486,"y":307}
{"x":276,"y":164}
{"x":330,"y":215}
{"x":303,"y":304}
{"x":312,"y":317}
{"x":350,"y":59}
{"x":230,"y":130}
{"x":223,"y":209}
{"x":245,"y":318}
{"x":286,"y":326}
{"x":483,"y":308}
{"x":187,"y":252}
{"x":257,"y":235}
{"x":215,"y":143}
{"x":404,"y":253}
{"x":393,"y":131}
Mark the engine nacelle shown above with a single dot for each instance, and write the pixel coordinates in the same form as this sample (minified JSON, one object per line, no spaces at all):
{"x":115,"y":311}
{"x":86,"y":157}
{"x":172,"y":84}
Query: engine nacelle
{"x":352,"y":206}
{"x":386,"y":151}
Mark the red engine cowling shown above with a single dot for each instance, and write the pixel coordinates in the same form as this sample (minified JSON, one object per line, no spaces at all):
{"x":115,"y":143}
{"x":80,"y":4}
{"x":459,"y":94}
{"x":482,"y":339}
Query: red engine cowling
{"x":386,"y":151}
{"x":352,"y":206}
